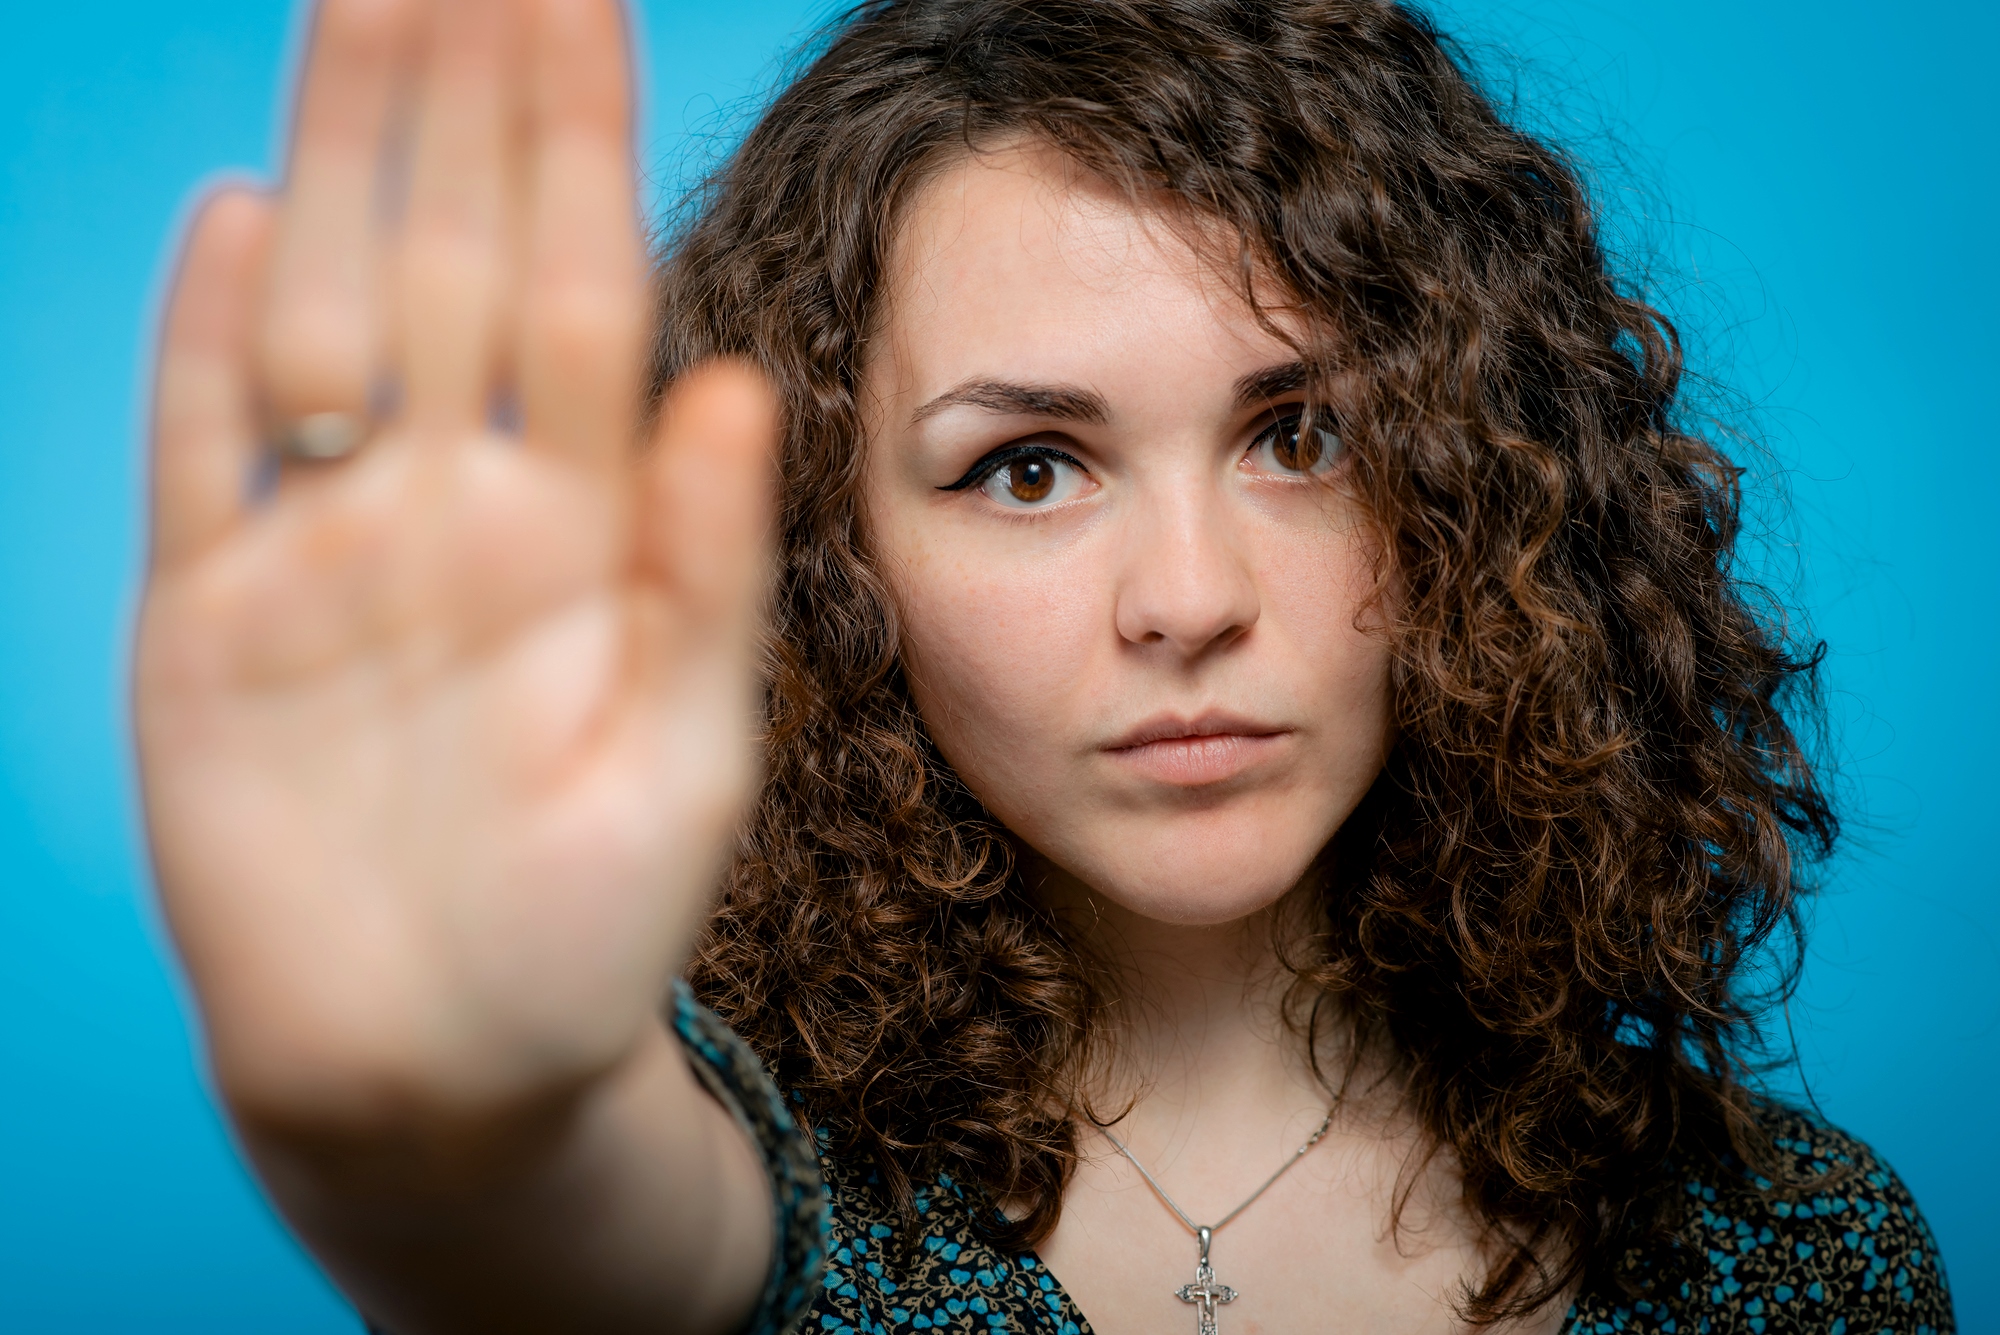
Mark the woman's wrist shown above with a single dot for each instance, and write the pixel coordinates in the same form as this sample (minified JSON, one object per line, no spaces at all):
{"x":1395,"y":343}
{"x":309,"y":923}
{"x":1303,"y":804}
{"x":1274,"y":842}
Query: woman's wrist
{"x":380,"y":1123}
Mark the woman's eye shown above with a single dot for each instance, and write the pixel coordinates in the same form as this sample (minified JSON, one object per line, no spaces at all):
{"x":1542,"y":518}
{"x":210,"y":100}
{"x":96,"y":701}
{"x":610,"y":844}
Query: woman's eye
{"x":1031,"y":481}
{"x":1288,"y":445}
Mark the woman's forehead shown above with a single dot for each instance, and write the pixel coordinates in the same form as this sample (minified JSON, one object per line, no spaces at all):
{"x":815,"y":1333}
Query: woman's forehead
{"x":1018,"y":262}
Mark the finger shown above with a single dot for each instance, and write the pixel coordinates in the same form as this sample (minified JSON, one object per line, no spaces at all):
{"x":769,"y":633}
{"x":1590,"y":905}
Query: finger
{"x":318,"y":345}
{"x":455,"y":239}
{"x":583,"y":306}
{"x":204,"y":418}
{"x":708,"y":499}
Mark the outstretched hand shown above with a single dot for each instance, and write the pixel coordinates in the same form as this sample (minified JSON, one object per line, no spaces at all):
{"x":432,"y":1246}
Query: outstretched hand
{"x":442,"y":742}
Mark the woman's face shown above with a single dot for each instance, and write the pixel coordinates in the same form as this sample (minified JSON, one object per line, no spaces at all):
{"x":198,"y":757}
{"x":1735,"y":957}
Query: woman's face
{"x":1132,"y":590}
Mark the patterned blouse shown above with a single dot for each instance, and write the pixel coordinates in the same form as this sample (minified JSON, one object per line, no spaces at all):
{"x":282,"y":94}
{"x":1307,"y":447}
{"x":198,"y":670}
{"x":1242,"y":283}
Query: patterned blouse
{"x":1746,"y":1259}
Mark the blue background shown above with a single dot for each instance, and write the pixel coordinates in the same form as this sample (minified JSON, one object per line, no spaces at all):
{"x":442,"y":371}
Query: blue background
{"x":1809,"y":185}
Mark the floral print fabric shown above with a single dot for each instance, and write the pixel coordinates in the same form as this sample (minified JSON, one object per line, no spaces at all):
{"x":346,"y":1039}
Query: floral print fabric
{"x":1846,"y":1253}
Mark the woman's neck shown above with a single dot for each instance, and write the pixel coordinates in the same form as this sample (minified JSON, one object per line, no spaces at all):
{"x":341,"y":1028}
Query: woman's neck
{"x":1197,"y":1043}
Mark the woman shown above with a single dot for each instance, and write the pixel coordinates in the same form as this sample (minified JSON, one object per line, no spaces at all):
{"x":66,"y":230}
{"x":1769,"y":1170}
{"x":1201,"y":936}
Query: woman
{"x":1270,"y":795}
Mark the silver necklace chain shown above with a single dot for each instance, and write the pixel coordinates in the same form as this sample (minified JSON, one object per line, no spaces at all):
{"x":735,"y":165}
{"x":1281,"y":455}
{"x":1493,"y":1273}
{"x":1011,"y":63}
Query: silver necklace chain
{"x":1248,"y":1201}
{"x":1204,"y":1294}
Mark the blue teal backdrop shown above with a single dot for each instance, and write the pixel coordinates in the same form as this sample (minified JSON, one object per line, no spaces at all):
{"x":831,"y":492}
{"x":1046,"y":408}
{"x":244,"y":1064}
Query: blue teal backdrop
{"x":1810,"y":187}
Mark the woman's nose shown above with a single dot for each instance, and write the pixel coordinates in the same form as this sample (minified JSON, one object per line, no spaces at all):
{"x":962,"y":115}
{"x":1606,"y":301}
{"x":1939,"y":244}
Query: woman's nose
{"x":1186,"y":582}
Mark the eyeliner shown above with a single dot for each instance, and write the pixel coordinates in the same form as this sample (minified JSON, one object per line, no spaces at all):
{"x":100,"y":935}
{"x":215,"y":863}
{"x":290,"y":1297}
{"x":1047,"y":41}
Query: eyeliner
{"x":994,"y":462}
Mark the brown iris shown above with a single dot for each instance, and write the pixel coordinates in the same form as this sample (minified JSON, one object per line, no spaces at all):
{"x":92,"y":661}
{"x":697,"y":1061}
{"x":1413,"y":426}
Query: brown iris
{"x":1296,"y":447}
{"x":1030,"y":479}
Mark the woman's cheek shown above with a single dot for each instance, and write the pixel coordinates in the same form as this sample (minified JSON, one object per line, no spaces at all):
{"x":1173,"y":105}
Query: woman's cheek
{"x":999,"y":662}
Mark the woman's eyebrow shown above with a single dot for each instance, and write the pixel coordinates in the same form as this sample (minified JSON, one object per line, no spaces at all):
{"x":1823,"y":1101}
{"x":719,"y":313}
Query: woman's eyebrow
{"x":1258,"y":388}
{"x":1068,"y":403}
{"x":1072,"y":403}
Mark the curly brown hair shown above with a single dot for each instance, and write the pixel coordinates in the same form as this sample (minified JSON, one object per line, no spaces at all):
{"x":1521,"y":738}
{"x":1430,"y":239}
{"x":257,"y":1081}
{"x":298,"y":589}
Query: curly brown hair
{"x":1550,"y":906}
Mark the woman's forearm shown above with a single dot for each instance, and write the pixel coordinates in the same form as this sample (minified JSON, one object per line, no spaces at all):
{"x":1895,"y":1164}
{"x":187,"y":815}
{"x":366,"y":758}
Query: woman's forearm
{"x":632,"y":1203}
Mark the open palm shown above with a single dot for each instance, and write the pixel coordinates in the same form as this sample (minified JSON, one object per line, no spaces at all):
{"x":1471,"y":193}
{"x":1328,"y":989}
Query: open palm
{"x":442,"y":743}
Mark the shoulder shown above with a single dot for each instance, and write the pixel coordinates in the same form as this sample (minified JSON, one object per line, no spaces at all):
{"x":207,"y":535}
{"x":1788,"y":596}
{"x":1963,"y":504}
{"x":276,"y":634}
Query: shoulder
{"x":848,"y":1260}
{"x":1830,"y":1241}
{"x":932,"y":1267}
{"x":799,"y":1204}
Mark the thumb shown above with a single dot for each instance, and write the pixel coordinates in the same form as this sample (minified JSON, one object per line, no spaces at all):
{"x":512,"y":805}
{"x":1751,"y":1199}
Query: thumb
{"x":707,"y":497}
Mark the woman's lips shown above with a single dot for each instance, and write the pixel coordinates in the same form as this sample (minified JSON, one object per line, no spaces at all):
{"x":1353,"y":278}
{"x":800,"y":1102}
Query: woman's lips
{"x":1198,"y":752}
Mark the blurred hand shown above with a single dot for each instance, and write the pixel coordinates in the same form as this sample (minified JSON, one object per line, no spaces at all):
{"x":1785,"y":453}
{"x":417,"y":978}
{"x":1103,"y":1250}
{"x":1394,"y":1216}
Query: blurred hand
{"x":442,"y":743}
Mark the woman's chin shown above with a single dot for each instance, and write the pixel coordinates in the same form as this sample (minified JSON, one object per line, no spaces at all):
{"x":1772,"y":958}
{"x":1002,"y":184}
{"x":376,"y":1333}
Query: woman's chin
{"x":1206,"y":885}
{"x":1199,"y":868}
{"x":1195,"y":904}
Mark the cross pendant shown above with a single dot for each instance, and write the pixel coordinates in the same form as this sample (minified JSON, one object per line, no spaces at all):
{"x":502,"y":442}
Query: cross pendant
{"x":1204,"y":1294}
